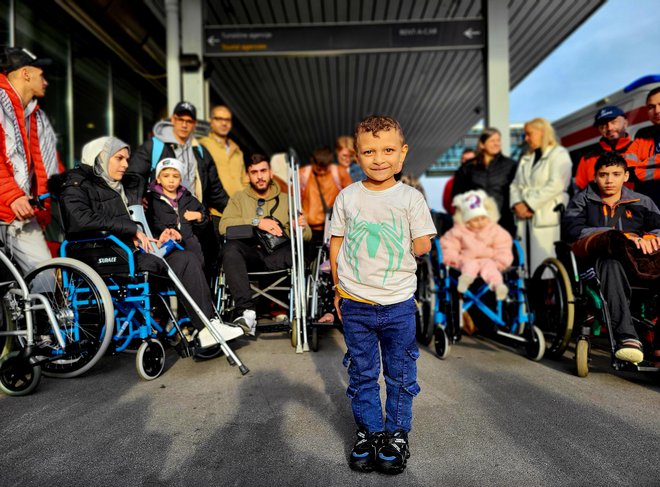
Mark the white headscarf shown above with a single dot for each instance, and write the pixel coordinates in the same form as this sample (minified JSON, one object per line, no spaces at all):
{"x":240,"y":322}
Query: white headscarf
{"x":97,"y":154}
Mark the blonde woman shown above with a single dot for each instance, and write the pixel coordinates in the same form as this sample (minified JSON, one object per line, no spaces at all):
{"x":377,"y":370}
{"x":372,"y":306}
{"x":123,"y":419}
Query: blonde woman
{"x":539,"y":186}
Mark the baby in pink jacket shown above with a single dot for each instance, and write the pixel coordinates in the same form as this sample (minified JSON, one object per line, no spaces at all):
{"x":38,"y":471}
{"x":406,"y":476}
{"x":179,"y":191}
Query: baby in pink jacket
{"x":476,"y":244}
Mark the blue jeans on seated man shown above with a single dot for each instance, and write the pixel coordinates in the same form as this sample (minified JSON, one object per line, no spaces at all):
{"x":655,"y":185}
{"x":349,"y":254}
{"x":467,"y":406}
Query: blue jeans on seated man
{"x":393,"y":327}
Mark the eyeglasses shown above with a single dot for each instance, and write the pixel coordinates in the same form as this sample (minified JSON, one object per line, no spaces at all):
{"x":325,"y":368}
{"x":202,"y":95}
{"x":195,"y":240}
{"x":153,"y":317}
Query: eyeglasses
{"x":260,"y":203}
{"x":184,"y":121}
{"x":221,"y":119}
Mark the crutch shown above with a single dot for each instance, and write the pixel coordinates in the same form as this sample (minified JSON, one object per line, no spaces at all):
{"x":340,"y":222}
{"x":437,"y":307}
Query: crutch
{"x":298,"y":269}
{"x":137,"y":214}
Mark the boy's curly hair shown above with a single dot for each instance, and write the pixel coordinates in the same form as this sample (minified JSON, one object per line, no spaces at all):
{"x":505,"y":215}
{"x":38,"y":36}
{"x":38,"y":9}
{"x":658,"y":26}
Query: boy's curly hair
{"x":376,"y":123}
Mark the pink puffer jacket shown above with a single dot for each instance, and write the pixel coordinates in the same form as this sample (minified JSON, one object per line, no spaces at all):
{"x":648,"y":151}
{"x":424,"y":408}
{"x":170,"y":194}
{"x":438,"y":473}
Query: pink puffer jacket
{"x":492,"y":242}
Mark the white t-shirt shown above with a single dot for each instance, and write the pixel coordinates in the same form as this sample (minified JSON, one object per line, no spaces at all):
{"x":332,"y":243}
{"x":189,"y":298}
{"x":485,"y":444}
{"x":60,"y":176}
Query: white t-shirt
{"x":375,"y":261}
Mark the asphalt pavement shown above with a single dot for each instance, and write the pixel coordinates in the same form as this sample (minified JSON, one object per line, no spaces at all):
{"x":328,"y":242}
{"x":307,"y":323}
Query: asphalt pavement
{"x":486,"y":416}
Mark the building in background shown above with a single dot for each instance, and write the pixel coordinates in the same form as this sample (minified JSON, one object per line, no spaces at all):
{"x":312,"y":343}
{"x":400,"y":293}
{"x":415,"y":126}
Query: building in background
{"x":93,"y":90}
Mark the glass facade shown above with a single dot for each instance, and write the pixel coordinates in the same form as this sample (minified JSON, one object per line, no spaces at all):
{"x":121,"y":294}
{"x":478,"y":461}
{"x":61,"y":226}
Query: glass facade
{"x":91,"y":92}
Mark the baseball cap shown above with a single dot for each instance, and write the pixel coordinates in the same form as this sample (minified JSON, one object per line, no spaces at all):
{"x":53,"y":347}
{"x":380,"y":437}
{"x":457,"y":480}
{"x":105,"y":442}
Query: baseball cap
{"x":607,"y":113}
{"x":185,"y":107}
{"x":17,"y":57}
{"x":169,"y":163}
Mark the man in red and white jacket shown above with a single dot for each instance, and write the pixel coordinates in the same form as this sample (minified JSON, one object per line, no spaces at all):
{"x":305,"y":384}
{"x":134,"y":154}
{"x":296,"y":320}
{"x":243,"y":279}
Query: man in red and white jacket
{"x":27,"y":155}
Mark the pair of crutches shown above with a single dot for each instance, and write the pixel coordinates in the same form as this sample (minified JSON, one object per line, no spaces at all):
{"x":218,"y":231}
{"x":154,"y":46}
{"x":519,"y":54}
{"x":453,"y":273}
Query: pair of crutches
{"x":137,"y":214}
{"x":298,"y":281}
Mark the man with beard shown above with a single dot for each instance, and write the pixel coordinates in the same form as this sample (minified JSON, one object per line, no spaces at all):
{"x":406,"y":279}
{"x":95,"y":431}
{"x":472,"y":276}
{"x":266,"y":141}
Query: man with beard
{"x":259,"y":207}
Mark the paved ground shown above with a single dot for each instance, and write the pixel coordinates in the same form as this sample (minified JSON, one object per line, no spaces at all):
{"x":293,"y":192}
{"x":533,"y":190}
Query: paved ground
{"x":486,"y":416}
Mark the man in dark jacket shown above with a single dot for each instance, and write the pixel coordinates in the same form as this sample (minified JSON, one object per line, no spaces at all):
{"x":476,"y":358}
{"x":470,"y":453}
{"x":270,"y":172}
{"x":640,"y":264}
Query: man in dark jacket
{"x":174,"y":139}
{"x":618,"y":227}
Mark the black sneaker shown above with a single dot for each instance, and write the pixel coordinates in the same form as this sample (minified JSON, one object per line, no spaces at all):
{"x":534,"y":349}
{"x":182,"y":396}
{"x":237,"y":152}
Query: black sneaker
{"x":393,"y":453}
{"x":363,"y":456}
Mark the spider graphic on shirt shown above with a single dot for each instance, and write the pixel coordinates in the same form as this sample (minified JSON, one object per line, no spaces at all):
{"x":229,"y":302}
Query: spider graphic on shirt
{"x":389,"y":234}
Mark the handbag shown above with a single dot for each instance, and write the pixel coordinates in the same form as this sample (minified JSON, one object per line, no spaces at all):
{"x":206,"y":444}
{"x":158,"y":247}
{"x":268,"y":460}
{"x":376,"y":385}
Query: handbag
{"x":269,"y":242}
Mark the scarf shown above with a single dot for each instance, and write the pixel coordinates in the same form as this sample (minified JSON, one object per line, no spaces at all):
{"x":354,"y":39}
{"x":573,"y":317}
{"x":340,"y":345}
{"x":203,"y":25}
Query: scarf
{"x":97,"y":154}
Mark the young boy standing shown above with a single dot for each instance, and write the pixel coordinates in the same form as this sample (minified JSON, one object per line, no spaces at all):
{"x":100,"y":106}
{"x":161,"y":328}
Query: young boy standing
{"x":617,"y":226}
{"x":378,"y":227}
{"x":171,"y":205}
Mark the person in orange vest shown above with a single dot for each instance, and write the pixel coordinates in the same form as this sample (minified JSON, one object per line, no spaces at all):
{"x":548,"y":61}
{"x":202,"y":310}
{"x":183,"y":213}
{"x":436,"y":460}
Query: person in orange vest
{"x":25,"y":156}
{"x":611,"y":122}
{"x":644,"y":154}
{"x":320,"y":183}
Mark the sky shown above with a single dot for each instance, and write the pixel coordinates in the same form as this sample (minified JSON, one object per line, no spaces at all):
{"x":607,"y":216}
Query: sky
{"x":618,"y":44}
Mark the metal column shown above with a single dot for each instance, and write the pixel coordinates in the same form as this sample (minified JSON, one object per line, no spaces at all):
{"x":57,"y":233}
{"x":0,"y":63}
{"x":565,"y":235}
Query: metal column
{"x":192,"y":27}
{"x":173,"y":70}
{"x":497,"y":69}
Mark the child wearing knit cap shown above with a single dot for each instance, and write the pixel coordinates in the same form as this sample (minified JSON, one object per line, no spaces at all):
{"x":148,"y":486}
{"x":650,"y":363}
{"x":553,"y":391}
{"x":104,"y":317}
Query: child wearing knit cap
{"x":171,"y":205}
{"x":476,"y":245}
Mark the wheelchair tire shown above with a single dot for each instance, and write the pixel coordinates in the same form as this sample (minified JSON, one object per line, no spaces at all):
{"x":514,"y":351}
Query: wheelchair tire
{"x":426,"y":300}
{"x":442,"y":345}
{"x":582,"y":357}
{"x":554,"y":305}
{"x":314,"y":339}
{"x":150,"y":359}
{"x":83,"y":307}
{"x":18,"y":377}
{"x":294,"y":333}
{"x":208,"y":353}
{"x":535,"y":346}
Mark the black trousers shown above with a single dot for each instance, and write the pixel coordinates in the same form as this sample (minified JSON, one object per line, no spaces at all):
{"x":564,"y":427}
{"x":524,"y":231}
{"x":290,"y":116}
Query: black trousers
{"x":188,"y":269}
{"x":616,"y":289}
{"x":243,"y":256}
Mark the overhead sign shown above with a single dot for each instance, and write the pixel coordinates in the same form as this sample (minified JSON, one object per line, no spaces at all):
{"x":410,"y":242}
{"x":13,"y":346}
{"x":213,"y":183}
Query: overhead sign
{"x":320,"y":39}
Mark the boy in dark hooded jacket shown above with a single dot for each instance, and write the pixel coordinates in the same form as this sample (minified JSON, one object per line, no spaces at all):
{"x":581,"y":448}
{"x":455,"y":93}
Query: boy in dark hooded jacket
{"x":171,"y":205}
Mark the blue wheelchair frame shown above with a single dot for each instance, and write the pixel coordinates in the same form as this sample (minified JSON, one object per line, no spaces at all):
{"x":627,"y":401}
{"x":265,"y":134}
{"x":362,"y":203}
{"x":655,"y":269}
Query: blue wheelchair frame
{"x":517,"y":325}
{"x":136,"y":302}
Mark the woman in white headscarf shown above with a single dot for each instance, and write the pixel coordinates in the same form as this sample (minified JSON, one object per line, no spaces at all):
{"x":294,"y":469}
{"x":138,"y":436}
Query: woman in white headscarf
{"x":94,"y":197}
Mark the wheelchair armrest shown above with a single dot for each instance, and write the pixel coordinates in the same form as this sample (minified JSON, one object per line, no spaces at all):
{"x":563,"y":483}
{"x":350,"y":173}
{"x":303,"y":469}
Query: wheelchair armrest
{"x":77,"y":236}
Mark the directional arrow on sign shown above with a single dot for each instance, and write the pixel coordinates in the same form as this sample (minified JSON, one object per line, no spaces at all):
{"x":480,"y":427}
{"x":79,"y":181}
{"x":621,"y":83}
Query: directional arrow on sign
{"x":470,"y":33}
{"x":212,"y":41}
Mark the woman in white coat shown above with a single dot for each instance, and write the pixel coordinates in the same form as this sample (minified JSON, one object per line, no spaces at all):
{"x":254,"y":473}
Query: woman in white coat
{"x":540,"y":184}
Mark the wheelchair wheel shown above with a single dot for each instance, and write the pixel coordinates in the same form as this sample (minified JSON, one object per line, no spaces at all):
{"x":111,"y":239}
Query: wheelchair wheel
{"x":83,"y":308}
{"x":426,"y":299}
{"x":150,"y":359}
{"x":582,"y":357}
{"x":294,"y":333}
{"x":18,"y":377}
{"x":442,"y":345}
{"x":554,"y":305}
{"x":535,"y":347}
{"x":314,"y":339}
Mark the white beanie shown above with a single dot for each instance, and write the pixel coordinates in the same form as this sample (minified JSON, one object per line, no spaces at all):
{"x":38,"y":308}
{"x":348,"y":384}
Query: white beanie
{"x":471,"y":204}
{"x":169,"y":162}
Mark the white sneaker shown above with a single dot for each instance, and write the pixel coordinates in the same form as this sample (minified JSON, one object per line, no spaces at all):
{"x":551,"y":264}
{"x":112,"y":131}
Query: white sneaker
{"x":501,"y":291}
{"x":464,"y":281}
{"x":248,"y":322}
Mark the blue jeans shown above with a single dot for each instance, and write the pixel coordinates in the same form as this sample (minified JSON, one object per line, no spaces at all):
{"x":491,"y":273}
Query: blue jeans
{"x":393,"y":327}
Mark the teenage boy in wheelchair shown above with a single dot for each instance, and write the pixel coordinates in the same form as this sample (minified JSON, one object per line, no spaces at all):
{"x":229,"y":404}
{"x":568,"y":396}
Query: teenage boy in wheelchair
{"x":94,"y":198}
{"x":617,"y":230}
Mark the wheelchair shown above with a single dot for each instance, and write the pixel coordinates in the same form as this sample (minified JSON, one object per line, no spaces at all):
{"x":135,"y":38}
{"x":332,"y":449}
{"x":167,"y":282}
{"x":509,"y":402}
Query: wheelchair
{"x":54,"y":320}
{"x":441,"y":306}
{"x":146,"y":314}
{"x":569,"y":304}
